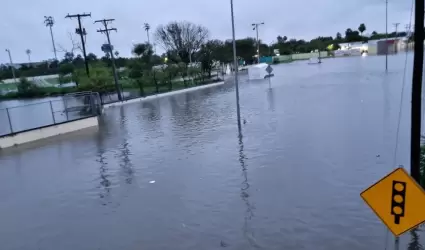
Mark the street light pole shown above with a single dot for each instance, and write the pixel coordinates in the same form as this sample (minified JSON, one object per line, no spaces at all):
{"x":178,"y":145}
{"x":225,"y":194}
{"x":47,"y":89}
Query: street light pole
{"x":386,"y":35}
{"x":258,"y":41}
{"x":11,"y":65}
{"x":235,"y":65}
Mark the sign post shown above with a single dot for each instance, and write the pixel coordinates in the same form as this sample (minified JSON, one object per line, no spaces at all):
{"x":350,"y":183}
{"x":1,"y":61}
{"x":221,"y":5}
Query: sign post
{"x":398,"y":200}
{"x":269,"y":70}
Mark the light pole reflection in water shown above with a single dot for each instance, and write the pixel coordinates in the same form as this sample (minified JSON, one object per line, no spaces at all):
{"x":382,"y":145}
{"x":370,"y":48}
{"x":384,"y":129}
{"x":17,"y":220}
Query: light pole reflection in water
{"x":249,"y":213}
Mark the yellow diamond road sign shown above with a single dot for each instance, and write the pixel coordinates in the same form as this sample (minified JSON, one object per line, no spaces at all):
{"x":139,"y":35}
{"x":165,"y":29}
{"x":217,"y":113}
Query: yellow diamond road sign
{"x":398,"y":200}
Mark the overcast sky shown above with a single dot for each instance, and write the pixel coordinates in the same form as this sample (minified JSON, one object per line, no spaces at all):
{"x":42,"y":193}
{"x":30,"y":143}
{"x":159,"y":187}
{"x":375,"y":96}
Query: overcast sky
{"x":23,"y":28}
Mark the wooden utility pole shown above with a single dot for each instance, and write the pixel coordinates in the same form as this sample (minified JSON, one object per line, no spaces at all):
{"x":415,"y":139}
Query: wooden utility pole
{"x":82,"y":32}
{"x":106,"y":30}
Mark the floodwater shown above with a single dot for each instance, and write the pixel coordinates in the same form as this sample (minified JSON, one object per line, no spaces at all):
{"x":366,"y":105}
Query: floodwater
{"x":175,"y":173}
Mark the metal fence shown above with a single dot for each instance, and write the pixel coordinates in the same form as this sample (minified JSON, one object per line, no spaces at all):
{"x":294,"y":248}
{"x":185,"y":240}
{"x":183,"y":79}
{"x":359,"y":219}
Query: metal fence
{"x":136,"y":92}
{"x":36,"y":115}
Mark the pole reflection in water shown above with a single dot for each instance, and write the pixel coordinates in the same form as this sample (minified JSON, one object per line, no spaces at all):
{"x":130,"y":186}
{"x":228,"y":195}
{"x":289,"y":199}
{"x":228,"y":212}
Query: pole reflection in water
{"x":249,"y":213}
{"x":125,"y":163}
{"x":104,"y":184}
{"x":270,"y":99}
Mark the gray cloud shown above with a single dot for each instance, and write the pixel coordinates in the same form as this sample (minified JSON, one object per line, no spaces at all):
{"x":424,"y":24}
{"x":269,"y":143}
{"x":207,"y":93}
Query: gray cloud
{"x":22,"y":20}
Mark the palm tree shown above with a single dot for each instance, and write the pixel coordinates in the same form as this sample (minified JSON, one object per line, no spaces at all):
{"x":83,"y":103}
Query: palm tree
{"x":147,"y":28}
{"x":28,"y":51}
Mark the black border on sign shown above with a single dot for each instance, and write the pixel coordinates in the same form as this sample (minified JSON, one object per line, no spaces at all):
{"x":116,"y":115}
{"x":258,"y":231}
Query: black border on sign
{"x":388,"y":175}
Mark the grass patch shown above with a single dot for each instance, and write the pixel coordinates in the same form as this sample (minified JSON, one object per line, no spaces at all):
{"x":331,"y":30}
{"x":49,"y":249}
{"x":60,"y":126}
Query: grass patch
{"x":7,"y":86}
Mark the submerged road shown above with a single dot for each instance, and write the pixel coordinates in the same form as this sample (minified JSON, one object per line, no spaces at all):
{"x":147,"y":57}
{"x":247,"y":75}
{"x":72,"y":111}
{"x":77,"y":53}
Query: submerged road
{"x":173,"y":173}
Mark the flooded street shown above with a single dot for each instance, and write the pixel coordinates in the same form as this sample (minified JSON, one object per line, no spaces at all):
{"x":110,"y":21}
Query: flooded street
{"x":174,"y":173}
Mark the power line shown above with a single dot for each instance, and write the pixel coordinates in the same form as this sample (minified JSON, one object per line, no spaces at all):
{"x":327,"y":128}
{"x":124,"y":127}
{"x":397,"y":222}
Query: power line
{"x":107,"y":30}
{"x":82,"y":32}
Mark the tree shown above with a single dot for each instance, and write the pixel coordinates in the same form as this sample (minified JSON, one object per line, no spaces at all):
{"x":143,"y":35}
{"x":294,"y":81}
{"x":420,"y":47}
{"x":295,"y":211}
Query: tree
{"x":66,"y":72}
{"x":209,"y":53}
{"x":78,"y":60}
{"x":66,"y":69}
{"x":281,"y":39}
{"x":27,"y":88}
{"x":362,"y":28}
{"x":69,"y":57}
{"x":28,"y":51}
{"x":100,"y":80}
{"x":143,"y":51}
{"x":91,"y":57}
{"x":338,"y":36}
{"x":184,"y":38}
{"x":352,"y":36}
{"x":136,"y":68}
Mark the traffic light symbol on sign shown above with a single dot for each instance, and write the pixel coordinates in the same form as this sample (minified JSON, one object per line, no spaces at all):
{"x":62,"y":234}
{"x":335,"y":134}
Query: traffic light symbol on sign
{"x":398,"y":200}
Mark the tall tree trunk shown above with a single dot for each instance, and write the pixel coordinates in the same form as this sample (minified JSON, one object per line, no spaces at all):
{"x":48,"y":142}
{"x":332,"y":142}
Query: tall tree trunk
{"x":141,"y":87}
{"x":156,"y":83}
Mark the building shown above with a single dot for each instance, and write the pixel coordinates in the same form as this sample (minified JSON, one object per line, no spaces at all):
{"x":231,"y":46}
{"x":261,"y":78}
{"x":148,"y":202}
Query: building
{"x":387,"y":45}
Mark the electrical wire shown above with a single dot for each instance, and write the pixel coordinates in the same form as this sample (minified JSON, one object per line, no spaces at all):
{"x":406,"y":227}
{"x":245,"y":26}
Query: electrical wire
{"x":400,"y":109}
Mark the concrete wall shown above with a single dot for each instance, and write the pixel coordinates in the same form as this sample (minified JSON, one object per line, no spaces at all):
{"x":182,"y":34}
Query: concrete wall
{"x":46,"y":132}
{"x":302,"y":56}
{"x":147,"y":98}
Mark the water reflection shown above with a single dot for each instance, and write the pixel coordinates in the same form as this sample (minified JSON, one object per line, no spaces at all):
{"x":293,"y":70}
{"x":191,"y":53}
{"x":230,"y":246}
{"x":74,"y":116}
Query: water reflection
{"x":125,"y":162}
{"x":245,"y":195}
{"x":270,"y":99}
{"x":414,"y":243}
{"x":104,"y":184}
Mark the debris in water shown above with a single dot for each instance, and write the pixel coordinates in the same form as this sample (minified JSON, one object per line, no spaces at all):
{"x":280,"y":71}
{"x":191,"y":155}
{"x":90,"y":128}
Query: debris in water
{"x":152,"y":182}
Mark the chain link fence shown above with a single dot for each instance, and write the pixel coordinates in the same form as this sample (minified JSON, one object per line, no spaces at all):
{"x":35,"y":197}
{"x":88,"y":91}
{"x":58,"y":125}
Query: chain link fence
{"x":37,"y":115}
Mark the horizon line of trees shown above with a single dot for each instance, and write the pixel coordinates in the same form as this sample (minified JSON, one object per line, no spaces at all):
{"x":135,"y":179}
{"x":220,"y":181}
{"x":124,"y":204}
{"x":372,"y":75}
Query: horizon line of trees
{"x":188,"y":42}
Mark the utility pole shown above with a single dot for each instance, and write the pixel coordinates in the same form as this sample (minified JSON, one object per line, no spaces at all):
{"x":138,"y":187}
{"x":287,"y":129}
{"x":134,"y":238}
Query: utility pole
{"x":11,"y":65}
{"x":106,"y":30}
{"x":408,"y":34}
{"x":396,"y":28}
{"x":235,"y":65}
{"x":396,"y":35}
{"x":82,"y":32}
{"x":386,"y":35}
{"x":417,"y":91}
{"x":258,"y":41}
{"x":49,"y":22}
